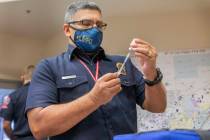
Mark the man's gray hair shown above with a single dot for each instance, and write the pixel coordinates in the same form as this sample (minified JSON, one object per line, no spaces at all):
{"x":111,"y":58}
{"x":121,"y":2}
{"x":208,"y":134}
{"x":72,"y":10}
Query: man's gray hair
{"x":79,"y":5}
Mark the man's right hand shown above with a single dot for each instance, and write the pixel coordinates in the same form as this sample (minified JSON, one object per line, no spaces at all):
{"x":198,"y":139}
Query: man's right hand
{"x":105,"y":88}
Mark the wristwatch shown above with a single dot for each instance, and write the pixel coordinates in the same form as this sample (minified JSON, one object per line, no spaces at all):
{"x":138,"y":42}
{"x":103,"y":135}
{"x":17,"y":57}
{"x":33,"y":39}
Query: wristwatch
{"x":157,"y":80}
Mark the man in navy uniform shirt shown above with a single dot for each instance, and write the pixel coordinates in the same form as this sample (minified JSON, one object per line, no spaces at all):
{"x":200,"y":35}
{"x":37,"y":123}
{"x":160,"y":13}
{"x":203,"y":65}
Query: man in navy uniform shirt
{"x":79,"y":95}
{"x":14,"y":107}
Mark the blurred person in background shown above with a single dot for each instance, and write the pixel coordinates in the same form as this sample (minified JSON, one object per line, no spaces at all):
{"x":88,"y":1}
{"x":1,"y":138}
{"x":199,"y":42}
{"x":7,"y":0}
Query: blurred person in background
{"x":13,"y":109}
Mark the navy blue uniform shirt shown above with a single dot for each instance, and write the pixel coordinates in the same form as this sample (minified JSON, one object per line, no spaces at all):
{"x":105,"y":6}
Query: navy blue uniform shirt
{"x":63,"y":78}
{"x":14,"y":111}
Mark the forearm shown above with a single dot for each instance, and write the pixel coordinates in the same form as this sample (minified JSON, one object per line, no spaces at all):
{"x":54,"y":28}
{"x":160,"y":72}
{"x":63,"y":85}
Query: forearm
{"x":9,"y":133}
{"x":57,"y":119}
{"x":8,"y":130}
{"x":155,"y":98}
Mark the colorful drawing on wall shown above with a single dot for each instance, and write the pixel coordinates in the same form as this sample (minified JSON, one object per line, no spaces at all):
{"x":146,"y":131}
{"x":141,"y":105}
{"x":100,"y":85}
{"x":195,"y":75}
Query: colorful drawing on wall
{"x":187,"y":79}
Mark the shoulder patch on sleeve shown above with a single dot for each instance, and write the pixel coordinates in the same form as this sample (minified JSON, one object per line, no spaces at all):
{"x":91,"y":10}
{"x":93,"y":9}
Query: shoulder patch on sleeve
{"x":6,"y":102}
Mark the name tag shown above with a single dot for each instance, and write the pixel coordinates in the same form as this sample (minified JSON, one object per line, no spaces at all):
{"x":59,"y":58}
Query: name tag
{"x":69,"y":77}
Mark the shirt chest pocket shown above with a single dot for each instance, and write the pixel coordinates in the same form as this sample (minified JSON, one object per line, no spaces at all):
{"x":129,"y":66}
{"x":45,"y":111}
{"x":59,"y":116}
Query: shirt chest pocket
{"x":128,"y":85}
{"x":70,"y":89}
{"x":127,"y":95}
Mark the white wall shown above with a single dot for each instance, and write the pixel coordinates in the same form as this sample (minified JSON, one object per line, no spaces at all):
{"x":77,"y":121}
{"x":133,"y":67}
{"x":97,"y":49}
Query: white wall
{"x":164,"y":31}
{"x":56,"y":44}
{"x":17,"y":52}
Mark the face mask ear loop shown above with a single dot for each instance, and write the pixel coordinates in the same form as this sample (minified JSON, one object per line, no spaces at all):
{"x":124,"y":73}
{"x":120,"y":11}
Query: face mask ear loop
{"x":72,"y":40}
{"x":71,"y":37}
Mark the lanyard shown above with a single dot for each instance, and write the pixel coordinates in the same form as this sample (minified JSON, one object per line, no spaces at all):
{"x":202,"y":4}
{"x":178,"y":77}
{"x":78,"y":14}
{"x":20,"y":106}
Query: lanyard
{"x":97,"y":70}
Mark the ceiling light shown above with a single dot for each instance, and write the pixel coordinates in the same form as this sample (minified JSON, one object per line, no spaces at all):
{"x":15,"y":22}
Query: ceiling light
{"x":2,"y":1}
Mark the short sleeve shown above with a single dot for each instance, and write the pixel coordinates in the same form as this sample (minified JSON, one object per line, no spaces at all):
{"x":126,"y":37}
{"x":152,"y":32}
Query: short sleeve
{"x":7,"y":109}
{"x":42,"y":90}
{"x":140,"y":92}
{"x":140,"y":88}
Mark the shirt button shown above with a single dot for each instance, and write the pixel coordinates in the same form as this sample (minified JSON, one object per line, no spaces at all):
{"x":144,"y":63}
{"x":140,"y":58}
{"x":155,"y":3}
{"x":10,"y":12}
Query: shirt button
{"x":70,"y":83}
{"x":126,"y":82}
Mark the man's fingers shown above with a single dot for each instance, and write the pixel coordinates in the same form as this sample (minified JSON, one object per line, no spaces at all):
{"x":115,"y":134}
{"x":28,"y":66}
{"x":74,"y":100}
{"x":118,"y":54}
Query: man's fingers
{"x":139,"y":46}
{"x":142,"y":50}
{"x":109,"y":76}
{"x":112,"y":83}
{"x":149,"y":52}
{"x":115,"y":89}
{"x":142,"y":55}
{"x":140,"y":41}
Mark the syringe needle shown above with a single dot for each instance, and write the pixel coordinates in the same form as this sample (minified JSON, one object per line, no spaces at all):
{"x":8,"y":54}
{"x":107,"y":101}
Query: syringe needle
{"x":123,"y":65}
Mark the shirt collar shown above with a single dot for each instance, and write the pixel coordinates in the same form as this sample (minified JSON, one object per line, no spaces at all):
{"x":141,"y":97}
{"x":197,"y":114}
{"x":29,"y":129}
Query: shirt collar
{"x":71,"y":51}
{"x":27,"y":83}
{"x":75,"y":51}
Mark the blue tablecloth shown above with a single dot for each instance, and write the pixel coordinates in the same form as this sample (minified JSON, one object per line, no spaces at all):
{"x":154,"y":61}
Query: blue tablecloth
{"x":161,"y":135}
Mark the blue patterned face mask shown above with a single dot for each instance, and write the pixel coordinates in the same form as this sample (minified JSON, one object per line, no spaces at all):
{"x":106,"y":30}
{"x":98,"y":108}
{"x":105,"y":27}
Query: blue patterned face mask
{"x":88,"y":40}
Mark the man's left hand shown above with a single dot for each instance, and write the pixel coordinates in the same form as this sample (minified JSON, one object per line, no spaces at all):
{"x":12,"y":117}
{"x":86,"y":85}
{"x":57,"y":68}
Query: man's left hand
{"x":147,"y":56}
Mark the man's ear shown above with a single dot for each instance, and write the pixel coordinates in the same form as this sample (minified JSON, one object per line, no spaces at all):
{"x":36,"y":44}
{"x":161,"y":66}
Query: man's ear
{"x":67,"y":30}
{"x":21,"y":77}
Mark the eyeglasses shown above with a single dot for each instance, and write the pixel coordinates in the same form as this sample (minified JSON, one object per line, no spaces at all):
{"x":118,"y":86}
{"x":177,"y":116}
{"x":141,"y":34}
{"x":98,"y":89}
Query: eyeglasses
{"x":87,"y":24}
